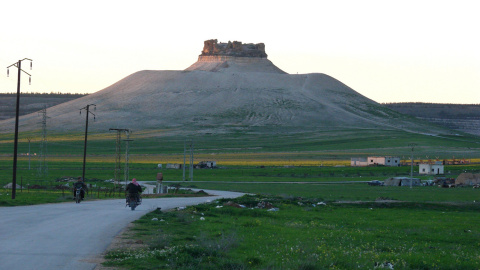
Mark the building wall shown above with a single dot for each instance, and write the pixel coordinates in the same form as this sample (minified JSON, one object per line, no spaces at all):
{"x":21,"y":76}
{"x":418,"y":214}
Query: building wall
{"x":430,"y":169}
{"x":386,"y":161}
{"x":358,"y":162}
{"x":376,"y":160}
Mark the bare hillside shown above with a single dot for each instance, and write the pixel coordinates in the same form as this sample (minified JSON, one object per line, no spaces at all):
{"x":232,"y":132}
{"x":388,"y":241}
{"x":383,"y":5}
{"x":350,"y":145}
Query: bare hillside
{"x":461,"y":117}
{"x":31,"y":102}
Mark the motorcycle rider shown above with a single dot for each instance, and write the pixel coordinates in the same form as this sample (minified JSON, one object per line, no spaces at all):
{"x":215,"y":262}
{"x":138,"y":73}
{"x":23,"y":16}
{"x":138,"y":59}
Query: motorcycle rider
{"x":134,"y":189}
{"x":79,"y":184}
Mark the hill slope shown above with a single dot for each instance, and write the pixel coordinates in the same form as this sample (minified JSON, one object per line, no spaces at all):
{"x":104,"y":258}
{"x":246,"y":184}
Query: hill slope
{"x":460,"y":117}
{"x":224,"y":94}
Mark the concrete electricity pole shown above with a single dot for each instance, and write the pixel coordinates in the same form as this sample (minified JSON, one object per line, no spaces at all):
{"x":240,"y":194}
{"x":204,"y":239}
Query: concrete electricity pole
{"x":127,"y":149}
{"x":18,"y":65}
{"x":43,"y":168}
{"x":412,"y":145}
{"x":87,"y":108}
{"x":184,"y":155}
{"x":29,"y":140}
{"x":191,"y":161}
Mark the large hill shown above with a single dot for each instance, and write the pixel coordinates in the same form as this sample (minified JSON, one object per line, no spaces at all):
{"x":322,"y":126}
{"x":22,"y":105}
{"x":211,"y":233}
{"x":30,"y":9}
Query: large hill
{"x":231,"y":88}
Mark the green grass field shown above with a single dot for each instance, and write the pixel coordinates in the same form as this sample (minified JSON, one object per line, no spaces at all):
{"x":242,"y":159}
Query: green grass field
{"x":305,"y":234}
{"x":327,"y":218}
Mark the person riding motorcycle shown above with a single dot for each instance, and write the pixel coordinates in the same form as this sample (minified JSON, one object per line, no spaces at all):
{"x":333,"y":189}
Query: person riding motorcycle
{"x":134,"y":189}
{"x":79,"y":185}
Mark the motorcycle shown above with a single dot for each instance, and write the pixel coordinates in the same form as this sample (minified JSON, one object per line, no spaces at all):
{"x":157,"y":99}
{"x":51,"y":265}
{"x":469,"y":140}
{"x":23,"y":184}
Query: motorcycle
{"x":133,"y":200}
{"x":78,"y":195}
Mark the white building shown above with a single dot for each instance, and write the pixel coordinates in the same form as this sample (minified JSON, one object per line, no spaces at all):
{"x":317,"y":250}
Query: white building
{"x":385,"y":161}
{"x":358,"y":161}
{"x":434,"y":169}
{"x":173,"y":166}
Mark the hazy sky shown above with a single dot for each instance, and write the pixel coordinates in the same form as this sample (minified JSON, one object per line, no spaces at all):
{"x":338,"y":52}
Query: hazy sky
{"x":388,"y":51}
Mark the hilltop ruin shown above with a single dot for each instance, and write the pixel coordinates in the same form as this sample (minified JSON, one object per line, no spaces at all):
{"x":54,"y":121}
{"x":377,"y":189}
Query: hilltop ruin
{"x":236,"y":48}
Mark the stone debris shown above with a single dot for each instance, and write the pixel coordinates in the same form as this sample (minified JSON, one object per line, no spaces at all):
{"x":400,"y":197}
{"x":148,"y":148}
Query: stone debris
{"x":232,"y":204}
{"x":264,"y":205}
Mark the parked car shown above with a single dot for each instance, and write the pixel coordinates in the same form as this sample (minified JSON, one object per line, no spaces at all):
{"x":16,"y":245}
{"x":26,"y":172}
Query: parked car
{"x":376,"y":183}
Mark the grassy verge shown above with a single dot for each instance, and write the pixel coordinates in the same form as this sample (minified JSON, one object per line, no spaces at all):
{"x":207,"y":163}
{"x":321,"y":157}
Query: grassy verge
{"x":305,"y":234}
{"x":352,"y":192}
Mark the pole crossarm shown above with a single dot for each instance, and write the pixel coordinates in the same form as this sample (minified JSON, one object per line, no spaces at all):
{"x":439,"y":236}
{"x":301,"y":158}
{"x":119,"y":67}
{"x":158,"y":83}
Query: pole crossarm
{"x":16,"y":64}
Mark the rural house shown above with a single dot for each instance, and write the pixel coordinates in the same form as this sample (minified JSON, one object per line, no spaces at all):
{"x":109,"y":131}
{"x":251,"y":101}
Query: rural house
{"x":385,"y":161}
{"x":431,"y":169}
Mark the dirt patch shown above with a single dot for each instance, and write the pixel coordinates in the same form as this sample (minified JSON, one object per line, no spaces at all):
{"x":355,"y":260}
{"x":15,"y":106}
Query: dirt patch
{"x":122,"y":241}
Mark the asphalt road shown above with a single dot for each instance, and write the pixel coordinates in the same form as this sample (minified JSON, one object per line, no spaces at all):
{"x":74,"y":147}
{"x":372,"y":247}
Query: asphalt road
{"x":70,"y":235}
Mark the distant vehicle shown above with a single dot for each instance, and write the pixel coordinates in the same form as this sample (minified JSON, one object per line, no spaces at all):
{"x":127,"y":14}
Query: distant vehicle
{"x":375,"y":183}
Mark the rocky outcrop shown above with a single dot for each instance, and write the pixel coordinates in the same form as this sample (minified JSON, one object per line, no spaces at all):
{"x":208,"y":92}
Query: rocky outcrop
{"x":236,"y":48}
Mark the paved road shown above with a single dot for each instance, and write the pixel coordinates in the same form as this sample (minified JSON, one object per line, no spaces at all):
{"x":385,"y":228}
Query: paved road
{"x":69,"y":235}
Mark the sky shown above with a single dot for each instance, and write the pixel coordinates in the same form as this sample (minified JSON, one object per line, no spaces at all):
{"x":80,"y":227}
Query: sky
{"x":388,"y":51}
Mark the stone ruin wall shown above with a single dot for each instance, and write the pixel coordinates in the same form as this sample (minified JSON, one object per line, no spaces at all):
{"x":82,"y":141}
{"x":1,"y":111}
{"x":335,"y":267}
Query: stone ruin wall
{"x":236,"y":49}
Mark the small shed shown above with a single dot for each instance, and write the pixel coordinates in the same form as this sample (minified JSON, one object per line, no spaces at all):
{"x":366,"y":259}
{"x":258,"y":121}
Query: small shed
{"x":468,"y":179}
{"x":207,"y":164}
{"x":173,"y":166}
{"x":358,"y":161}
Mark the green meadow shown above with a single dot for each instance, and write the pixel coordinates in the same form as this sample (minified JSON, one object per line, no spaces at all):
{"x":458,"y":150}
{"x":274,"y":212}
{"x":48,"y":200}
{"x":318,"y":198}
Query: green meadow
{"x":326,"y":216}
{"x":305,"y":233}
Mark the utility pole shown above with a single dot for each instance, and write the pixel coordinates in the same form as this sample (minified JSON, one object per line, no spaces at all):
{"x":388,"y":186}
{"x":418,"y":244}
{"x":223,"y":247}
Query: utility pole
{"x":184,"y":155}
{"x":126,"y":169}
{"x":43,"y":168}
{"x":87,"y":108}
{"x":29,"y":140}
{"x":191,"y":161}
{"x":18,"y":65}
{"x":412,"y":145}
{"x":118,"y":153}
